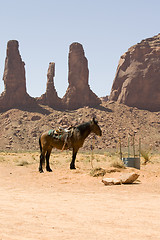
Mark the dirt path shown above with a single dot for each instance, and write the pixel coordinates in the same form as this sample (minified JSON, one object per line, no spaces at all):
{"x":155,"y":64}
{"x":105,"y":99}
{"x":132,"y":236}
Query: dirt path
{"x":73,"y":205}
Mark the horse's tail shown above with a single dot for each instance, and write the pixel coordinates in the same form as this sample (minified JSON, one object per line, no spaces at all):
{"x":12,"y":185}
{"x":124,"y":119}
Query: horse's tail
{"x":40,"y":145}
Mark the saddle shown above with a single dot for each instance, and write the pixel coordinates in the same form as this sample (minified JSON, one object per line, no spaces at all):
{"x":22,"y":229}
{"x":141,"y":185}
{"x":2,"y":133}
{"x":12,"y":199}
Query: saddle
{"x":59,"y":132}
{"x":63,"y":134}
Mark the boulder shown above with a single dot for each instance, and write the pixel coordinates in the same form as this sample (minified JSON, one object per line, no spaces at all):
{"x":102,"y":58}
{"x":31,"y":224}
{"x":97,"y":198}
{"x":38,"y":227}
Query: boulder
{"x":125,"y":178}
{"x":14,"y":94}
{"x":137,"y":80}
{"x":129,"y":178}
{"x":111,"y":181}
{"x":78,"y":93}
{"x":50,"y":97}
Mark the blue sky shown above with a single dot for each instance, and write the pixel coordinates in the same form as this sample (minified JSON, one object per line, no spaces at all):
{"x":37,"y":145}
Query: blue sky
{"x":46,"y":28}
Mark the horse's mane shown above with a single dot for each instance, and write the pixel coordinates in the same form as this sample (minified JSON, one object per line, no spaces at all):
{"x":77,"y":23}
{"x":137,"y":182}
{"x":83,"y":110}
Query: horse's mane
{"x":83,"y":126}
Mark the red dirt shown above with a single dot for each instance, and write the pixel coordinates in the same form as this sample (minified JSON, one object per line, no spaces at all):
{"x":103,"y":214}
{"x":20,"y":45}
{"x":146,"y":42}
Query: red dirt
{"x":70,"y":205}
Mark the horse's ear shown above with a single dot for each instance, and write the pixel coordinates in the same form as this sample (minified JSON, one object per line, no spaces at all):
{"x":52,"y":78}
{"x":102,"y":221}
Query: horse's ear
{"x":94,"y":120}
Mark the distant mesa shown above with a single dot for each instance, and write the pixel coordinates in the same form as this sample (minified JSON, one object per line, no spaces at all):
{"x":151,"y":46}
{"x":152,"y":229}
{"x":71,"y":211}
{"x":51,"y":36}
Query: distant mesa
{"x":137,"y":80}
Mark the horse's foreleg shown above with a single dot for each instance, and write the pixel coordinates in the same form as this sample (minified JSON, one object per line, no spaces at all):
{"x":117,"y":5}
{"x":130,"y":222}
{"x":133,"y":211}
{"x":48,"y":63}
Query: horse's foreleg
{"x":72,"y":165}
{"x":47,"y":161}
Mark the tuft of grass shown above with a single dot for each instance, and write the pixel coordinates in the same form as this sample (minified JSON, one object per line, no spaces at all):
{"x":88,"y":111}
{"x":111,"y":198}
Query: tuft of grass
{"x":96,"y":172}
{"x":117,"y":164}
{"x":33,"y":157}
{"x":146,"y":155}
{"x":22,"y":163}
{"x":2,"y":159}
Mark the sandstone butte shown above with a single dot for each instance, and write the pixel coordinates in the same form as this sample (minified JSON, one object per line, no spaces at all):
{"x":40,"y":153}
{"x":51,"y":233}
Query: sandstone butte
{"x":137,"y":80}
{"x":136,"y":84}
{"x":14,"y":94}
{"x":78,"y":93}
{"x":50,"y":97}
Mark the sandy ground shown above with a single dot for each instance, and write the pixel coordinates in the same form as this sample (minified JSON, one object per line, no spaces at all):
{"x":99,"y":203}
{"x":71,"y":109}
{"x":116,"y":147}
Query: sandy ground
{"x":69,"y":204}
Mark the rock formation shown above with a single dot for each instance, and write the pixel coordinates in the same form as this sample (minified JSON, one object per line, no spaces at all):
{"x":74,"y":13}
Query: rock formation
{"x":50,"y":98}
{"x":125,"y":178}
{"x":14,"y":94}
{"x":78,"y":93}
{"x":137,"y":80}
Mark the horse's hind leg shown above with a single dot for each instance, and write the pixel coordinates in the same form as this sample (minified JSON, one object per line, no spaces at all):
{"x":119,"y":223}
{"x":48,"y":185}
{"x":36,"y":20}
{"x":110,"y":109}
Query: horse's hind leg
{"x":47,"y":161}
{"x":42,"y":161}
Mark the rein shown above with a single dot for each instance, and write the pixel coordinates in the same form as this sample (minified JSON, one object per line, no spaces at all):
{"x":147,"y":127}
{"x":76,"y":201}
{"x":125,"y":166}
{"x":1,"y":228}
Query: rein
{"x":63,"y":146}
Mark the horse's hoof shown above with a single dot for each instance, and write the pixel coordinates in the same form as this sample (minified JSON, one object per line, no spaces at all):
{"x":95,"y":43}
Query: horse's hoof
{"x":72,"y":168}
{"x":41,"y":170}
{"x":49,"y":170}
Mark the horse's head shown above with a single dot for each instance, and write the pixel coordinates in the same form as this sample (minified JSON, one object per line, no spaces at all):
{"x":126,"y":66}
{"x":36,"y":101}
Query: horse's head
{"x":95,"y":128}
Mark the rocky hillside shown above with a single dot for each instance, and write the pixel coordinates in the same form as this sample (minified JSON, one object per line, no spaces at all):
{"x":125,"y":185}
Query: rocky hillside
{"x":20,"y":130}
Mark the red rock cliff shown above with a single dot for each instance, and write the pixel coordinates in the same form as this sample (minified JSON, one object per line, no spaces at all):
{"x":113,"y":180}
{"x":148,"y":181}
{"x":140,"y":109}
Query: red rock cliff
{"x":137,"y":80}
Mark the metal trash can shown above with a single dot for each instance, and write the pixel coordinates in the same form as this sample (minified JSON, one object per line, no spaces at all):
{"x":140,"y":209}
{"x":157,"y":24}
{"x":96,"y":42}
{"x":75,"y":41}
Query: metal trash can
{"x":132,"y":162}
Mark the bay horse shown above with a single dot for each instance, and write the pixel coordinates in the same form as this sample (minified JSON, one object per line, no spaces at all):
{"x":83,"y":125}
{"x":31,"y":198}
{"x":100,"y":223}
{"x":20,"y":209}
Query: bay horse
{"x":73,"y":138}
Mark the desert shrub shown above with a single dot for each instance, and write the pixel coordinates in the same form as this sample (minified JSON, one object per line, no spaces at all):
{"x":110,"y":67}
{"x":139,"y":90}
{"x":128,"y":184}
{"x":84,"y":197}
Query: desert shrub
{"x":22,"y":163}
{"x":2,"y":159}
{"x":117,"y":164}
{"x":33,"y":157}
{"x":96,"y":172}
{"x":146,"y":155}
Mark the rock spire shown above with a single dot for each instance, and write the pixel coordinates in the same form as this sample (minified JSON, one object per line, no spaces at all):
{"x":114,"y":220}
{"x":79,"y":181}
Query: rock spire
{"x":78,"y":93}
{"x":50,"y":97}
{"x":14,"y":94}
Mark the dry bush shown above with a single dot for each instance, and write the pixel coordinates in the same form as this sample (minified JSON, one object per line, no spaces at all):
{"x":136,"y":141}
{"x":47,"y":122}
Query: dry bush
{"x":22,"y":163}
{"x":96,"y":172}
{"x":117,"y":164}
{"x":146,"y":155}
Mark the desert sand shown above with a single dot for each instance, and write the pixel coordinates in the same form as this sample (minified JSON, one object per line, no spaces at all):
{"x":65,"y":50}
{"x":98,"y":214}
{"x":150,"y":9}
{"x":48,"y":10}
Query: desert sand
{"x":72,"y":204}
